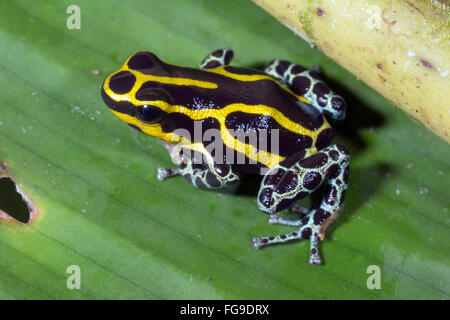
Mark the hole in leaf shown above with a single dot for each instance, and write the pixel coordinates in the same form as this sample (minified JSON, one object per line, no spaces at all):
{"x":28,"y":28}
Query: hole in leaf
{"x":12,"y":202}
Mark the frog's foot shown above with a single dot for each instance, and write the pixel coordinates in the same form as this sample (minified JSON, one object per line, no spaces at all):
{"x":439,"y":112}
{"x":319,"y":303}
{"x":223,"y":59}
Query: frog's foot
{"x":164,"y":173}
{"x":295,"y":178}
{"x":306,"y":83}
{"x":218,"y":58}
{"x":312,"y":226}
{"x":306,"y":229}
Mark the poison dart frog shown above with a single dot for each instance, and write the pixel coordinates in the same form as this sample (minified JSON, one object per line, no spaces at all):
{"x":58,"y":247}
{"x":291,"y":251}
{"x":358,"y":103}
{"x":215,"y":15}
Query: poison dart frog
{"x":285,"y":108}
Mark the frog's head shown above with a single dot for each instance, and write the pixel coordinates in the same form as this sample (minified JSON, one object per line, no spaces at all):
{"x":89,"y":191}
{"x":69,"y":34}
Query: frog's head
{"x":133,"y":95}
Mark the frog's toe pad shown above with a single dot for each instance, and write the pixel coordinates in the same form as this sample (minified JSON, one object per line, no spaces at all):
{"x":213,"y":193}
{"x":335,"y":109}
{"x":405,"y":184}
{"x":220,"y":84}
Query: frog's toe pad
{"x":164,"y":173}
{"x":161,"y":174}
{"x":315,"y":259}
{"x":258,"y":242}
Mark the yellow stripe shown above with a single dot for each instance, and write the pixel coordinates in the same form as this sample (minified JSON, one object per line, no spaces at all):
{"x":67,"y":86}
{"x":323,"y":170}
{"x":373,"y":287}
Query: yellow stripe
{"x":141,"y":78}
{"x":255,"y":77}
{"x":266,"y":158}
{"x":260,"y":109}
{"x":230,"y":141}
{"x":240,"y":77}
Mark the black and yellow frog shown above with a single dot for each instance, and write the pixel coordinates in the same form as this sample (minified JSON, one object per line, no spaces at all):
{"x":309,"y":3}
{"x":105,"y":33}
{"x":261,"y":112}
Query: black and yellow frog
{"x":182,"y":106}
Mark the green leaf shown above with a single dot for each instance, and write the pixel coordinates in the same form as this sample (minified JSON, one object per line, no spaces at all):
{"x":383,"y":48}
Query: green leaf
{"x":101,"y":207}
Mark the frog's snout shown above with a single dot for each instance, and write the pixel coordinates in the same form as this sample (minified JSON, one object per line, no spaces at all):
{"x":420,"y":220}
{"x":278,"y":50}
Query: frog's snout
{"x":107,"y":99}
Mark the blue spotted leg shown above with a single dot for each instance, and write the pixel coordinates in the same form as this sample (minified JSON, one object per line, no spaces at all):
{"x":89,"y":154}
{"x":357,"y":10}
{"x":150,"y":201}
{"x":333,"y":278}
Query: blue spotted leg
{"x":295,"y":178}
{"x":304,"y":82}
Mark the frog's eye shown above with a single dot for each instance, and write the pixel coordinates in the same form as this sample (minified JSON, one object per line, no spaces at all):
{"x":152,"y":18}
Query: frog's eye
{"x":148,"y":114}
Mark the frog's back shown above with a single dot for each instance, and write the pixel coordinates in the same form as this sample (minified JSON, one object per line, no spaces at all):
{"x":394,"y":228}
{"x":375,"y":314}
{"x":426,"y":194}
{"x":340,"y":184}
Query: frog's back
{"x":237,"y":99}
{"x":266,"y":104}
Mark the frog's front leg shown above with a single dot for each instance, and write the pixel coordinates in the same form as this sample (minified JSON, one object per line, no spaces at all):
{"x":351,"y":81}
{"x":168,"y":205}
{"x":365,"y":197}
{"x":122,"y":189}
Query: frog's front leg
{"x":295,"y":178}
{"x":218,"y":58}
{"x":305,"y":83}
{"x":208,"y":176}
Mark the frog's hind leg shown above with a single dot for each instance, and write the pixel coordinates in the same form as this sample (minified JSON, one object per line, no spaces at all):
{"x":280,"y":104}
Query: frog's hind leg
{"x":218,"y":58}
{"x":295,"y":178}
{"x":306,"y":83}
